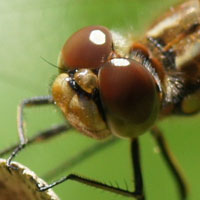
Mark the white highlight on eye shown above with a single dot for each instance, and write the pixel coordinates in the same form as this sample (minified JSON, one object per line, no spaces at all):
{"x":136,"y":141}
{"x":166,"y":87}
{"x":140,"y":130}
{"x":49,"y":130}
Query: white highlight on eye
{"x":97,"y":37}
{"x":120,"y":62}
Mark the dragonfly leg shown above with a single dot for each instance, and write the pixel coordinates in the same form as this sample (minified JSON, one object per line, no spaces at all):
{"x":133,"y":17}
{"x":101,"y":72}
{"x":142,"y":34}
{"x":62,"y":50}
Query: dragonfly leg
{"x":39,"y":137}
{"x":137,"y":171}
{"x":171,"y":162}
{"x":35,"y":101}
{"x":137,"y":194}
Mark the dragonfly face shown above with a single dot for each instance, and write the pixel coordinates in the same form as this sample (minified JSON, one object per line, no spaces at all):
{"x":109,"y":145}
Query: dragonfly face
{"x":101,"y":92}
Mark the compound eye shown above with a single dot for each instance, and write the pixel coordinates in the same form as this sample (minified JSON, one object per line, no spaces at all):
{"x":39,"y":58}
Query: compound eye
{"x":89,"y":47}
{"x":129,"y":95}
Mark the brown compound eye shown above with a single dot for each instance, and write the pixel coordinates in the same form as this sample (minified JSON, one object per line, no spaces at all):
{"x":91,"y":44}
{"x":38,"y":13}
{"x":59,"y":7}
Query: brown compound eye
{"x":87,"y":48}
{"x":129,"y":96}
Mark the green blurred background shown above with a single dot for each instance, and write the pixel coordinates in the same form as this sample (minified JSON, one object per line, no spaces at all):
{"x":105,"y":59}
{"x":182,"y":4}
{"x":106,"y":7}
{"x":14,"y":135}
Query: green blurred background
{"x":33,"y":28}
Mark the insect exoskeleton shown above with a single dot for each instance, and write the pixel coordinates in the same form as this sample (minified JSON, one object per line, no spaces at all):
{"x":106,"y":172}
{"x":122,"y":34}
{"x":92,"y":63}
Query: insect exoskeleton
{"x":102,"y":92}
{"x":129,"y":95}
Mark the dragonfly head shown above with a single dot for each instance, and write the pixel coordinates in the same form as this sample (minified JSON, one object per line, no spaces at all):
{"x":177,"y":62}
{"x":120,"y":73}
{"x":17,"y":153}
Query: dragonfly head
{"x":101,"y":92}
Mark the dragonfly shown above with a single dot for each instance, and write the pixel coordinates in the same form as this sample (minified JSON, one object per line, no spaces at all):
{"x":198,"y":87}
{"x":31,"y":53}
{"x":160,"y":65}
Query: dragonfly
{"x":110,"y":85}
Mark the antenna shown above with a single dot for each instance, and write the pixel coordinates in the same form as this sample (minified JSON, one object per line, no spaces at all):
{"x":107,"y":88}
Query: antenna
{"x":55,"y":66}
